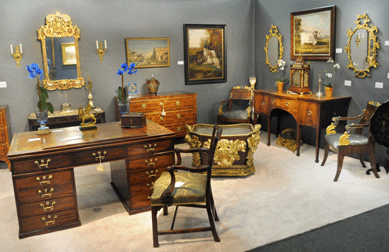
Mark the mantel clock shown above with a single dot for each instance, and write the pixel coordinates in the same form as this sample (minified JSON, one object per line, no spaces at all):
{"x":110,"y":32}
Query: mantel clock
{"x":299,"y":77}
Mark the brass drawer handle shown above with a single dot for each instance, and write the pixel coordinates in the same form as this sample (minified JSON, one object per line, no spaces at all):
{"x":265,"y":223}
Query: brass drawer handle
{"x":178,"y":103}
{"x":43,"y":165}
{"x":150,"y":147}
{"x":144,"y":105}
{"x":178,"y":128}
{"x":49,"y":221}
{"x":151,"y":174}
{"x":287,"y":104}
{"x":309,"y":112}
{"x":48,"y":207}
{"x":263,"y":103}
{"x":99,"y":157}
{"x":44,"y":181}
{"x":150,"y":186}
{"x":45,"y":192}
{"x":273,"y":101}
{"x":178,"y":116}
{"x":161,"y":118}
{"x":151,"y":163}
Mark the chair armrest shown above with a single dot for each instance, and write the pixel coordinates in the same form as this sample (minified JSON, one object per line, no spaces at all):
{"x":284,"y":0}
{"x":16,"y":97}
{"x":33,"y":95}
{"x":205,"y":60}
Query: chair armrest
{"x":221,"y":106}
{"x":193,"y":150}
{"x":331,"y":128}
{"x":343,"y":140}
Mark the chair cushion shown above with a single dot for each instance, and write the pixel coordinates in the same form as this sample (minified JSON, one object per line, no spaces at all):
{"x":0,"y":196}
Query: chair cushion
{"x":235,"y":114}
{"x":355,"y":139}
{"x":191,"y":192}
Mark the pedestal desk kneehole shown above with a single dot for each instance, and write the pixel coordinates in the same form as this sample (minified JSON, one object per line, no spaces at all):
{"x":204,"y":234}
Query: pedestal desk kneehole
{"x":43,"y":176}
{"x":308,"y":110}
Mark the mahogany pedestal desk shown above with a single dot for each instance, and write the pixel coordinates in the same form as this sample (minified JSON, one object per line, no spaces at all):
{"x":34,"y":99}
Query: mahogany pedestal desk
{"x":308,"y":110}
{"x":43,"y":176}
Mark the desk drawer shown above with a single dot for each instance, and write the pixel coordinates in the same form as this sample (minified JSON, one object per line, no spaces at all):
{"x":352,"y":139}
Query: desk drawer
{"x":93,"y":156}
{"x":47,"y":221}
{"x":145,"y":175}
{"x":176,"y":117}
{"x":261,"y":104}
{"x":140,"y":195}
{"x":168,"y":102}
{"x":154,"y":162}
{"x":309,"y":114}
{"x":47,"y":206}
{"x":149,"y":148}
{"x":41,"y":164}
{"x":285,"y":104}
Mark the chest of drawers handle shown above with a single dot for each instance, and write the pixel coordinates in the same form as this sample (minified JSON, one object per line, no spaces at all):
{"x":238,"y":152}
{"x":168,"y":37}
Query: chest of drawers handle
{"x":48,"y":207}
{"x":44,"y":193}
{"x":144,"y":105}
{"x":42,"y":164}
{"x":263,"y":103}
{"x":309,"y":112}
{"x":151,"y":163}
{"x":100,"y":157}
{"x":49,"y":221}
{"x":178,"y":103}
{"x":150,"y":147}
{"x":178,"y":116}
{"x":151,"y":174}
{"x":273,"y":101}
{"x":44,"y":181}
{"x":150,"y":186}
{"x":287,"y":104}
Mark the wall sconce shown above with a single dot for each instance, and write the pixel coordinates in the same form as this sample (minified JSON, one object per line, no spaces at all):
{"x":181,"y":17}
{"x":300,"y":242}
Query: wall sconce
{"x":18,"y":54}
{"x":100,"y":50}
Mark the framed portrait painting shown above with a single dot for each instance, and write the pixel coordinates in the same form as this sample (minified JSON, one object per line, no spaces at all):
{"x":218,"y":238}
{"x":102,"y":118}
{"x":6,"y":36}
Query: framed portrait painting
{"x":205,"y":57}
{"x":148,"y":52}
{"x":312,"y":34}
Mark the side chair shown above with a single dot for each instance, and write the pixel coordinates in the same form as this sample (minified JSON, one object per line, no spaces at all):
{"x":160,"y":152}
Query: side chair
{"x":352,"y":142}
{"x":240,"y":106}
{"x":189,"y":189}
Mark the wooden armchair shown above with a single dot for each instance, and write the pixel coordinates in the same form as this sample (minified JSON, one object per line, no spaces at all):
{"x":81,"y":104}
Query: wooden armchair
{"x":190,"y":189}
{"x":236,"y":114}
{"x":352,"y":142}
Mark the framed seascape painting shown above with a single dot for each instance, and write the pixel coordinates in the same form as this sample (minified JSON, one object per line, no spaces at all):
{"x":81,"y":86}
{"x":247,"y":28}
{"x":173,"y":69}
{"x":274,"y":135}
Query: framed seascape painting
{"x":148,"y":52}
{"x":205,"y":54}
{"x":312,"y":34}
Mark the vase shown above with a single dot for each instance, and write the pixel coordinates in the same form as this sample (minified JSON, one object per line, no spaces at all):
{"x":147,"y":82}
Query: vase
{"x":152,"y":85}
{"x":280,"y":86}
{"x":124,"y":107}
{"x":329,"y":91}
{"x":42,"y":117}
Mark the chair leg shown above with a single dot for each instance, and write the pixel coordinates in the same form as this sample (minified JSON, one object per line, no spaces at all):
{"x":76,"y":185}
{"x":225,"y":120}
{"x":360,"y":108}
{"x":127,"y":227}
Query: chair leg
{"x":326,"y":151}
{"x":213,"y":207}
{"x":212,"y":223}
{"x":361,"y":160}
{"x":373,"y":163}
{"x":340,"y":164}
{"x":174,"y":218}
{"x":165,"y":211}
{"x":154,"y":211}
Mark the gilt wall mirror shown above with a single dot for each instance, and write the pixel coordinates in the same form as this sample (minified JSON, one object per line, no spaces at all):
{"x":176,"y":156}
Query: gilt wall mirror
{"x":362,"y":47}
{"x":61,"y":58}
{"x":273,"y":48}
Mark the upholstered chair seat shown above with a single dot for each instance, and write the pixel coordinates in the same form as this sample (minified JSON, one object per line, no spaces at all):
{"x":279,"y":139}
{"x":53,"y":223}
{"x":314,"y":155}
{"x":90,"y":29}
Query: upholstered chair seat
{"x":333,"y":139}
{"x":239,"y":106}
{"x":189,"y":188}
{"x":235,"y":115}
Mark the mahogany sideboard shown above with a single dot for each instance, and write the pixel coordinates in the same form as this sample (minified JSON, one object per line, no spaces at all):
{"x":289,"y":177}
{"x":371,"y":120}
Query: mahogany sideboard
{"x":308,"y":110}
{"x":43,"y":170}
{"x":180,"y":108}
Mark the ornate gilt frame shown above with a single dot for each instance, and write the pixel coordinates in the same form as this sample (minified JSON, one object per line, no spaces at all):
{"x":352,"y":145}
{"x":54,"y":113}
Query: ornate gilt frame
{"x":60,"y":25}
{"x":274,"y":33}
{"x":372,"y":46}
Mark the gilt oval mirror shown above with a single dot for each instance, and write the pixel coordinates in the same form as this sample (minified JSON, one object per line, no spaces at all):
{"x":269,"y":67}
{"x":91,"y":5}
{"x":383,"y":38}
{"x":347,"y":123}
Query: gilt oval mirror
{"x":362,"y":47}
{"x":61,"y":59}
{"x":273,"y":48}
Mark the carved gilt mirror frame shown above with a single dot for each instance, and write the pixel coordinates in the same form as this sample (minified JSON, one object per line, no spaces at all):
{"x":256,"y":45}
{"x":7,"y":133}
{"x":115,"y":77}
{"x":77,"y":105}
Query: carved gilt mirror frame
{"x":372,"y":45}
{"x":274,"y":33}
{"x":60,"y":26}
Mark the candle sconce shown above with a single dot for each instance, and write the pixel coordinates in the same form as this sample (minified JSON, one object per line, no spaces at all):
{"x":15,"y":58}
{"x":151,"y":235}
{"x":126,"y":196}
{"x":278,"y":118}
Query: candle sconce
{"x":18,"y":54}
{"x":359,"y":39}
{"x":100,"y":49}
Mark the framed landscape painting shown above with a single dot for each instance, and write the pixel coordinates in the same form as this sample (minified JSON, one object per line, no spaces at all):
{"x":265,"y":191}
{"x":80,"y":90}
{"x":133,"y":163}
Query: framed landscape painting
{"x":205,"y":54}
{"x":148,"y":52}
{"x":312,"y":34}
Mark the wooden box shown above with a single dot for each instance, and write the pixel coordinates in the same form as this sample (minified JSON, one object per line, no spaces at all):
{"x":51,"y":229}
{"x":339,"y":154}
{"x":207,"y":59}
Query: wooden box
{"x":133,"y":120}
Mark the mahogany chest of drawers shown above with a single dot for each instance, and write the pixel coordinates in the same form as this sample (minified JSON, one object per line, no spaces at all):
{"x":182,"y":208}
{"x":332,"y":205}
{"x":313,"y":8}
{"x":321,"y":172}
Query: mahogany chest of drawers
{"x":43,"y":170}
{"x":171,"y":110}
{"x":5,"y":133}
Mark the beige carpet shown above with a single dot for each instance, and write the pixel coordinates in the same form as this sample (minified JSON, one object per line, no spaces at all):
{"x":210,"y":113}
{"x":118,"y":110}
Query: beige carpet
{"x":287,"y":195}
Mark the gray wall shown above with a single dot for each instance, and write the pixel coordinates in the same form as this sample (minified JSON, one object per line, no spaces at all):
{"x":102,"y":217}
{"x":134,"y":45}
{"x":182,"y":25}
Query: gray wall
{"x":114,"y":21}
{"x":277,"y":12}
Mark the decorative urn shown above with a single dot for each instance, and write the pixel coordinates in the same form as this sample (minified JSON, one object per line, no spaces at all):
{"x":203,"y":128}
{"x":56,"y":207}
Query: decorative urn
{"x":152,"y":85}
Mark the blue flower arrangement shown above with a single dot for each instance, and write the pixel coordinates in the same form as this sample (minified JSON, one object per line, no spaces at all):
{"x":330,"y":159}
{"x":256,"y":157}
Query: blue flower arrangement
{"x":43,"y":104}
{"x":121,"y":92}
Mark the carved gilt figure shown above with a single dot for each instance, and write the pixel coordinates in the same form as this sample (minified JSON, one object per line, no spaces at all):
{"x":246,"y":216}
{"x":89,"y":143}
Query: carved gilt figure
{"x":86,"y":114}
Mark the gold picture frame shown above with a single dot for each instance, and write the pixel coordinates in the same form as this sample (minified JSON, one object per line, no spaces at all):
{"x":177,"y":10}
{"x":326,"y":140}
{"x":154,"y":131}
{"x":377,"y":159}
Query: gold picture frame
{"x":69,"y":53}
{"x":148,"y":52}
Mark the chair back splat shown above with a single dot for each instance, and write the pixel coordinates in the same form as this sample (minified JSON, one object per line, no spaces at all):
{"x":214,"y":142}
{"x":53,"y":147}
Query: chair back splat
{"x":190,"y":189}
